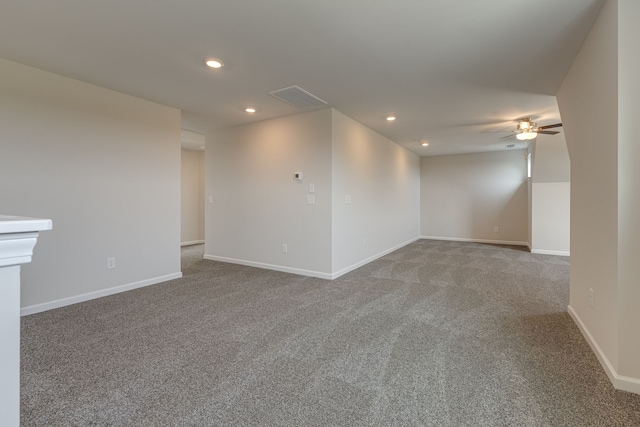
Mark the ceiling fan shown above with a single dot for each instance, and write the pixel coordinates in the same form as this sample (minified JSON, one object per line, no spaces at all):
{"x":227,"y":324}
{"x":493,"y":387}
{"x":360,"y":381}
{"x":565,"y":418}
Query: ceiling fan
{"x":527,"y":129}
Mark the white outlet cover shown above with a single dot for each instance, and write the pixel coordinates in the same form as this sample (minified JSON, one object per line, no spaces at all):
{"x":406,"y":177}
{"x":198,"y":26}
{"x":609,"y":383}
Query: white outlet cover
{"x":311,"y":199}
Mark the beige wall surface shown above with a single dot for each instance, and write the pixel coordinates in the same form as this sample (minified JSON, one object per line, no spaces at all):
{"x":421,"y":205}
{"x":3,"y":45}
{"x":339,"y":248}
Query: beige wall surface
{"x":550,"y":196}
{"x":551,"y":217}
{"x":105,"y":167}
{"x":382,"y":179}
{"x":551,"y":160}
{"x":629,"y":188}
{"x":258,"y":206}
{"x":465,"y":196}
{"x":192,"y":197}
{"x":588,"y":95}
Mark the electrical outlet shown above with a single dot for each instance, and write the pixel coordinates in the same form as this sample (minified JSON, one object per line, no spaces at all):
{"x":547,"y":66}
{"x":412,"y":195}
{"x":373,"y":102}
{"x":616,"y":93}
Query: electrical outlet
{"x":111,"y":263}
{"x":284,"y":248}
{"x":590,"y":297}
{"x":496,"y":229}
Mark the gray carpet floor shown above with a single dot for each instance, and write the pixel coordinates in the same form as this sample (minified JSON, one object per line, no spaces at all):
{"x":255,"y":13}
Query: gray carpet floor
{"x":436,"y":333}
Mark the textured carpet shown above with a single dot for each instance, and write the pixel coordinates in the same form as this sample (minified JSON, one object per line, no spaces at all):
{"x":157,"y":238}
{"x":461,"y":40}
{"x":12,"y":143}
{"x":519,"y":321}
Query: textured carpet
{"x":436,"y":333}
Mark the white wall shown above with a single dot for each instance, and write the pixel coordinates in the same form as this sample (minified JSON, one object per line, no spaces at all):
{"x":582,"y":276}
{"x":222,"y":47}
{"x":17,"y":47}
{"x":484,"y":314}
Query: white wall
{"x":629,"y":189}
{"x":105,"y":167}
{"x":588,"y":96}
{"x":257,"y":206}
{"x":192,"y":197}
{"x":602,"y":87}
{"x":383,"y":181}
{"x":550,"y":220}
{"x":464,"y":196}
{"x":550,"y":196}
{"x":551,"y":160}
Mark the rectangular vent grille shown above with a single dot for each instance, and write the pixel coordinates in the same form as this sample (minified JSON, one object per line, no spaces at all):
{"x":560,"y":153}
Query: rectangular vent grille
{"x":298,"y":97}
{"x":510,"y":145}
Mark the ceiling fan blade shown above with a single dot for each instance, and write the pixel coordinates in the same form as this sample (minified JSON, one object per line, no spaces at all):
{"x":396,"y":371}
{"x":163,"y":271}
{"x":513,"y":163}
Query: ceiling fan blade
{"x":548,"y":132}
{"x":557,"y":125}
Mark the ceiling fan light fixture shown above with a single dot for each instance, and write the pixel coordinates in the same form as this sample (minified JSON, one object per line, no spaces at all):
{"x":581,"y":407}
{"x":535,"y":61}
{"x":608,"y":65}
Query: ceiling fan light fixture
{"x":526,"y":136}
{"x":213,"y":63}
{"x":526,"y":124}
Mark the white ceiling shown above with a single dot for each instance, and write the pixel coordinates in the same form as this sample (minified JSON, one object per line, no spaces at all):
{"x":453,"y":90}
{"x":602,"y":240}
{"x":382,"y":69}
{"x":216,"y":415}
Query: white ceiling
{"x":452,"y":71}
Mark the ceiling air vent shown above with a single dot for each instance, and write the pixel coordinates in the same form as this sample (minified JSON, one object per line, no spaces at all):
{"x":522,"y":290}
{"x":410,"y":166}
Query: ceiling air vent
{"x":298,"y":97}
{"x":510,"y":145}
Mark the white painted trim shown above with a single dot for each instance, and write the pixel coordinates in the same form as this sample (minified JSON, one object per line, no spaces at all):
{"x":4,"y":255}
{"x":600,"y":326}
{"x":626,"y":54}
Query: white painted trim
{"x":371,"y":258}
{"x":192,"y":242}
{"x":620,"y":382}
{"x":464,"y":239}
{"x":37,"y":308}
{"x":310,"y":273}
{"x":545,"y":252}
{"x":274,"y":267}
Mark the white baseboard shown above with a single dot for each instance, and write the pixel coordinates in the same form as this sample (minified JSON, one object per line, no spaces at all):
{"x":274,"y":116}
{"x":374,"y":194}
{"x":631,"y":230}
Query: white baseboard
{"x":371,"y":258}
{"x":273,"y":267}
{"x":464,"y":239}
{"x":310,"y":273}
{"x":37,"y":308}
{"x":192,"y":242}
{"x":545,"y":252}
{"x":619,"y":382}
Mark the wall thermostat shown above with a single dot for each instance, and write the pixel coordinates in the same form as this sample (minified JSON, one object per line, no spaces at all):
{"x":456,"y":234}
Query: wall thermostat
{"x":297,"y":176}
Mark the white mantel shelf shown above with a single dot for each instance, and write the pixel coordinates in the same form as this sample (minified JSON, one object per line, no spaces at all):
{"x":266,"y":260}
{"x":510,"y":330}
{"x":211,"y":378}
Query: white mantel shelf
{"x":21,"y":224}
{"x":18,"y":237}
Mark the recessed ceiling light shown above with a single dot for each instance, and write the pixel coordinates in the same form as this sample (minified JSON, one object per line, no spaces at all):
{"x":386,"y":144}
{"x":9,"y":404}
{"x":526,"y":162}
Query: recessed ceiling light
{"x":250,"y":110}
{"x":425,"y":144}
{"x":213,"y":63}
{"x":391,"y":118}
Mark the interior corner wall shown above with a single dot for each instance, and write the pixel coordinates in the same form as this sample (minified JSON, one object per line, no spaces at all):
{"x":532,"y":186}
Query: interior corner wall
{"x":587,"y":95}
{"x":192,"y":197}
{"x":628,"y":189}
{"x":464,"y":196}
{"x":376,"y":193}
{"x":105,"y":167}
{"x":257,"y":206}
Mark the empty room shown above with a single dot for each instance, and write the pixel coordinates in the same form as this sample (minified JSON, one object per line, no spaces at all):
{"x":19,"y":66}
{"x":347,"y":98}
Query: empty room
{"x":319,"y":213}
